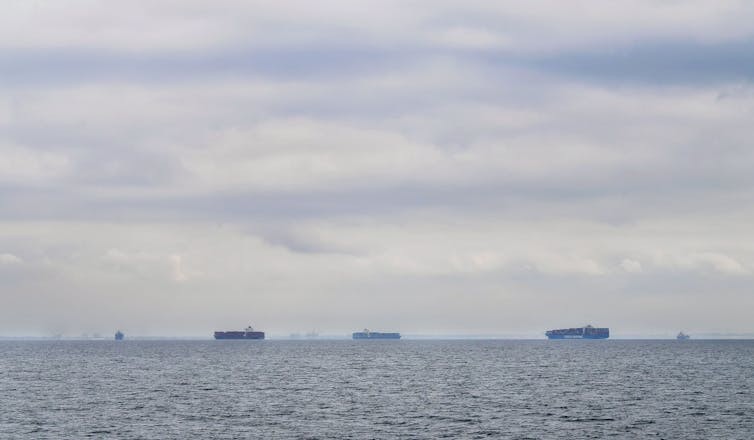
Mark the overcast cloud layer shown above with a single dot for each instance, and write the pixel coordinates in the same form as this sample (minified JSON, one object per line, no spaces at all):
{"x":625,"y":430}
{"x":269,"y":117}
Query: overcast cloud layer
{"x":427,"y":167}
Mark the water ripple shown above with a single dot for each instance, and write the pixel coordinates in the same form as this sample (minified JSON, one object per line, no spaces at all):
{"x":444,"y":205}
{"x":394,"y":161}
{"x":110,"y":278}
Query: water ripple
{"x":376,"y":389}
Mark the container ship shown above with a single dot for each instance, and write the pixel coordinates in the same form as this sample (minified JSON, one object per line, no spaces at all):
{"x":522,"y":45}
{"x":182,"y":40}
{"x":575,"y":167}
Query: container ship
{"x":586,"y":332}
{"x":366,"y":334}
{"x":248,"y":333}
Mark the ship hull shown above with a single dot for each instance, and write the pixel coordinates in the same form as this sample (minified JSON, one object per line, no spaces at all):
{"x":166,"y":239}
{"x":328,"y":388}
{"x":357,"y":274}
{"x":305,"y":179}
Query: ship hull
{"x":375,"y":335}
{"x":577,"y":337}
{"x":239,"y":335}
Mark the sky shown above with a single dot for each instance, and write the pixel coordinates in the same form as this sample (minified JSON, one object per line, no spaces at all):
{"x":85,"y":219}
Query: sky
{"x":429,"y":167}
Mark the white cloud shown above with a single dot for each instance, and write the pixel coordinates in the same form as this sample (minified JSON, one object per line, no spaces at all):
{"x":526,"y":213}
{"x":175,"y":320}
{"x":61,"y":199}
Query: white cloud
{"x":27,"y":166}
{"x":9,"y":259}
{"x":178,"y":273}
{"x":550,"y":25}
{"x":715,"y":261}
{"x":470,"y":38}
{"x":631,"y":266}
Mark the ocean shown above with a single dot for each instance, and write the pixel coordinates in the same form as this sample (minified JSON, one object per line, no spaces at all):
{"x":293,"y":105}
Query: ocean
{"x":500,"y":389}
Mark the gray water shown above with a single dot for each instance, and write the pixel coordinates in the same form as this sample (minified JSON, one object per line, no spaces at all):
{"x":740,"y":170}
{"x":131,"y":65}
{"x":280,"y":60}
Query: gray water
{"x":377,"y":389}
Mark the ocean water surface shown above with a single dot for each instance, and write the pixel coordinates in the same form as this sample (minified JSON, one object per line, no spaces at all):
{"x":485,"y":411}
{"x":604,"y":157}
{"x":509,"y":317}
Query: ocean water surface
{"x":377,"y":389}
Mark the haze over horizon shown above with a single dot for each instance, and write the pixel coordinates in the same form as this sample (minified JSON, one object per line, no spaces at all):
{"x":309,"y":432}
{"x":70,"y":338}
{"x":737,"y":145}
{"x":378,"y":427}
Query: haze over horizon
{"x":443,"y":167}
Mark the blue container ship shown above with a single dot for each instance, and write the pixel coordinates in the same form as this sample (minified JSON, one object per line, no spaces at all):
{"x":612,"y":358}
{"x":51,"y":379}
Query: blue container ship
{"x":586,"y":332}
{"x":248,"y":333}
{"x":366,"y":334}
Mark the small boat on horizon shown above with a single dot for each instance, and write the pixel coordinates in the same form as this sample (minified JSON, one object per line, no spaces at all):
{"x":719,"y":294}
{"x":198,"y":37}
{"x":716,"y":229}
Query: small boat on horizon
{"x":119,"y":335}
{"x":682,"y":336}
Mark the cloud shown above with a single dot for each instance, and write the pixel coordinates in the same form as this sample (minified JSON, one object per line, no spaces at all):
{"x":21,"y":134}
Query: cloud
{"x":27,"y":166}
{"x":669,"y":63}
{"x":179,"y":274}
{"x":631,"y":266}
{"x":714,"y":261}
{"x":499,"y":164}
{"x":9,"y":259}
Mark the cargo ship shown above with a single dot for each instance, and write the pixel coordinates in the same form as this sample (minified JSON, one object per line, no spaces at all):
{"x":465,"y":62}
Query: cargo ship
{"x":119,"y":335}
{"x":248,"y":333}
{"x":366,"y":334}
{"x":586,"y":332}
{"x":682,"y":336}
